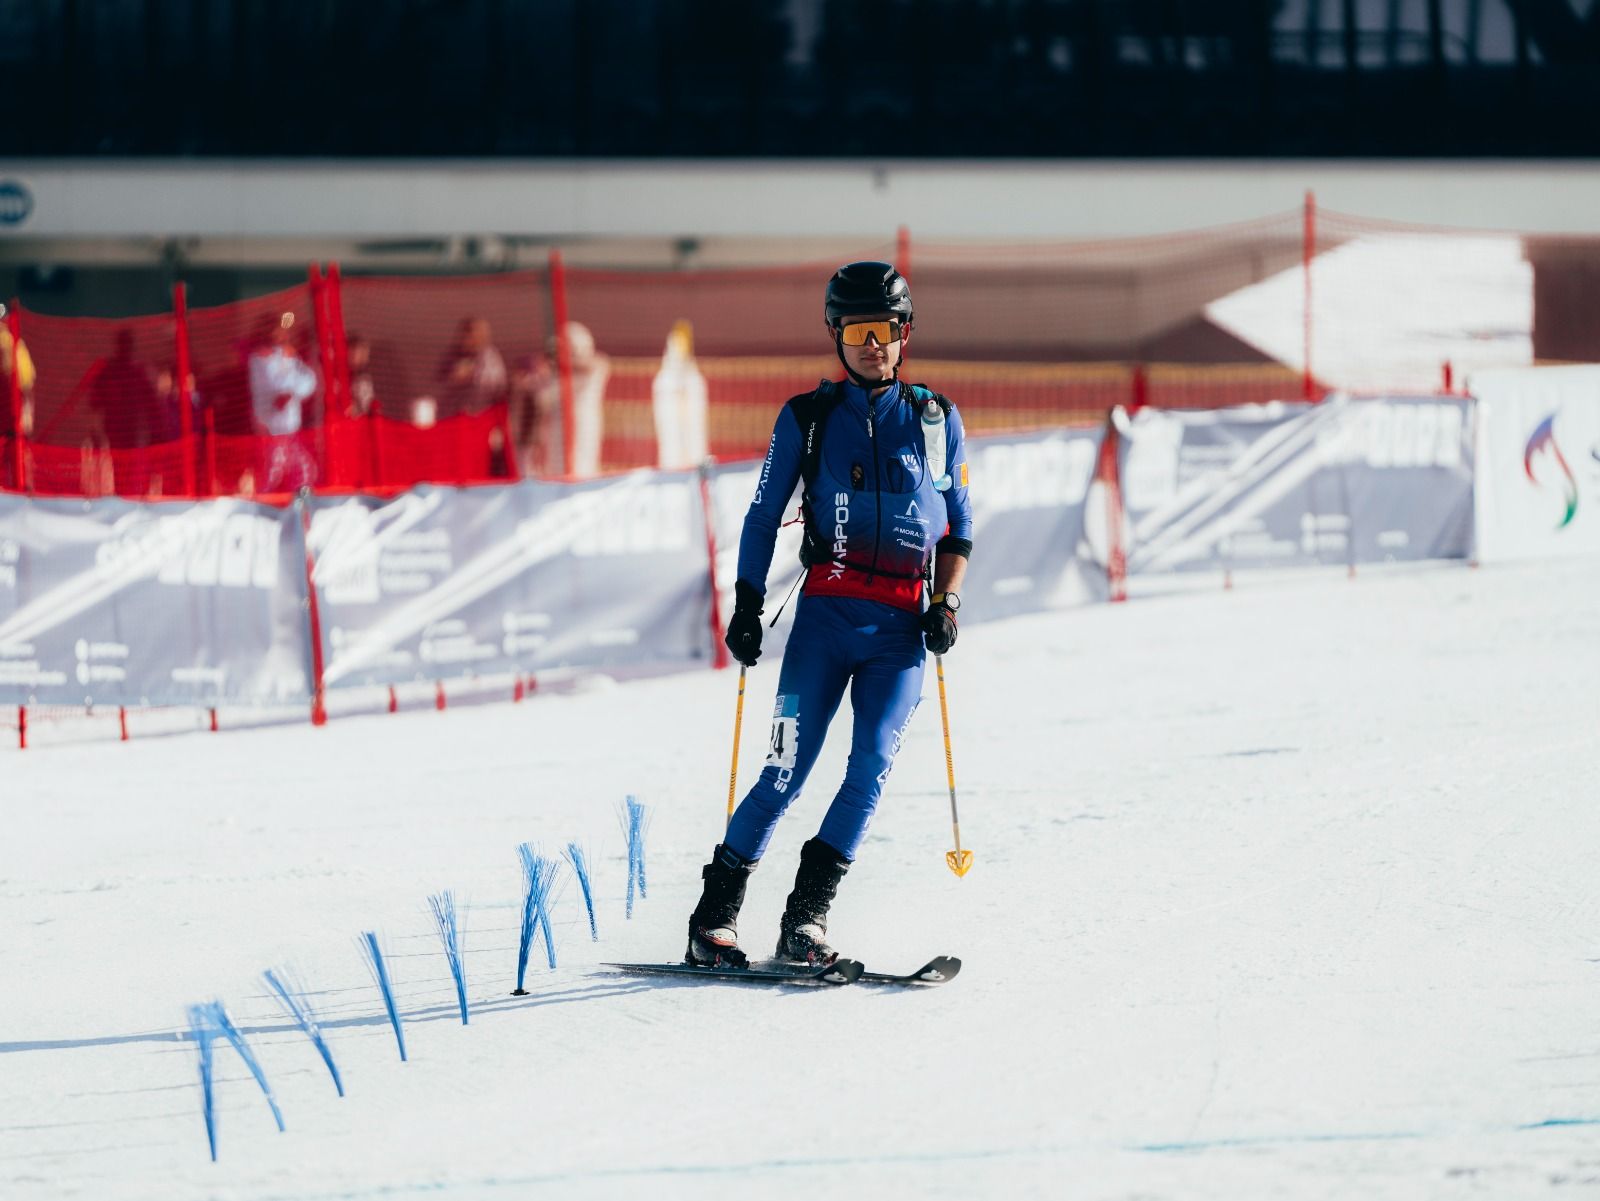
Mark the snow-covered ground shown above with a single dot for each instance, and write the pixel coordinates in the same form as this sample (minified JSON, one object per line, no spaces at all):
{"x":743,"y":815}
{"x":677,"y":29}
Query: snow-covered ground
{"x":1286,"y":892}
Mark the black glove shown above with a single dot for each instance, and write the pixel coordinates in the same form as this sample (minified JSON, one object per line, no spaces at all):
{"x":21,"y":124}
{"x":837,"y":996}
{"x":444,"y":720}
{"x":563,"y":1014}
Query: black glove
{"x":939,"y":627}
{"x":744,"y":630}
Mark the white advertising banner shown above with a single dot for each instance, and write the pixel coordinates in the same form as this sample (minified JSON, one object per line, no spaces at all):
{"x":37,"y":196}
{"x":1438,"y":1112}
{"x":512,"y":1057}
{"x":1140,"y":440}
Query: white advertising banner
{"x":108,"y":602}
{"x":1033,"y":547}
{"x":1290,"y":484}
{"x":440,"y":583}
{"x":1538,"y":462}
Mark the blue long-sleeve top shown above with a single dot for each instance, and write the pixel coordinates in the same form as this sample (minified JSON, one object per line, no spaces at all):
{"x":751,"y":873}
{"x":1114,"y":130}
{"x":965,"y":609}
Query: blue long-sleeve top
{"x":875,"y":510}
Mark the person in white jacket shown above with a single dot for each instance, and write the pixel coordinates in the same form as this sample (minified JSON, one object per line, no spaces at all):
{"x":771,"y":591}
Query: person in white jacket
{"x":280,"y":384}
{"x":678,"y":396}
{"x":591,"y":370}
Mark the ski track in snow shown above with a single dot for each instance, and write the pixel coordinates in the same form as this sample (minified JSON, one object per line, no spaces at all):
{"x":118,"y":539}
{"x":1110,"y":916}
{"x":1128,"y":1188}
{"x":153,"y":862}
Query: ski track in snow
{"x":1286,"y":892}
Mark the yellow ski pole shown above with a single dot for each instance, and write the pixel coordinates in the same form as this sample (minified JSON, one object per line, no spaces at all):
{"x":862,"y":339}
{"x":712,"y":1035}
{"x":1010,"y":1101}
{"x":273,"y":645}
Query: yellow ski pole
{"x":960,"y":861}
{"x":738,"y":721}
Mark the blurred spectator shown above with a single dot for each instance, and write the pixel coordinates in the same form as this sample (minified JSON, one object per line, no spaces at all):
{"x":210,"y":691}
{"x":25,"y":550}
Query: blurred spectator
{"x":122,"y":400}
{"x":472,"y":376}
{"x":280,"y":384}
{"x":124,"y":414}
{"x":14,"y":359}
{"x":170,"y":400}
{"x":590,"y":373}
{"x":168,"y":476}
{"x":678,"y":397}
{"x":363,"y":395}
{"x":528,"y":381}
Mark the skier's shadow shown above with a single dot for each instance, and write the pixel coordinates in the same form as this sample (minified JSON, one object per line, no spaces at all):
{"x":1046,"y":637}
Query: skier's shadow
{"x":782,"y":987}
{"x":427,"y":1013}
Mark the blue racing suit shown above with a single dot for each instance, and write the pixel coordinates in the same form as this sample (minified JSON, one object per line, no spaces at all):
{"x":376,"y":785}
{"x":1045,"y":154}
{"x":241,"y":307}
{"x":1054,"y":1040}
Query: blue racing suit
{"x":877,"y":518}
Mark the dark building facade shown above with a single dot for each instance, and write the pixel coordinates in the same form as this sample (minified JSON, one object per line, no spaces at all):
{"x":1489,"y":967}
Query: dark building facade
{"x":713,"y":78}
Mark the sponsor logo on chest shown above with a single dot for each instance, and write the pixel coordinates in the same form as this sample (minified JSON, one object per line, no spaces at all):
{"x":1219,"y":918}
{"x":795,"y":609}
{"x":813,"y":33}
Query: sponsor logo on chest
{"x":841,"y":518}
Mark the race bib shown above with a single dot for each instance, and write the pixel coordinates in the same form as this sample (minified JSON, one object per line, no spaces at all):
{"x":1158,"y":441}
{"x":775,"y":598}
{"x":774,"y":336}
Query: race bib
{"x":785,"y":732}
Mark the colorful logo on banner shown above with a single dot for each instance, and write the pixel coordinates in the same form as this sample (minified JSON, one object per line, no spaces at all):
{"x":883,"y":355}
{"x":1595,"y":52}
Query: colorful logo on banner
{"x":1541,"y":446}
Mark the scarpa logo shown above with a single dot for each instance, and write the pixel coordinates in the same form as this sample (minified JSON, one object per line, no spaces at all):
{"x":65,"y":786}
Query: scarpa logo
{"x":1542,"y":446}
{"x":16,"y":202}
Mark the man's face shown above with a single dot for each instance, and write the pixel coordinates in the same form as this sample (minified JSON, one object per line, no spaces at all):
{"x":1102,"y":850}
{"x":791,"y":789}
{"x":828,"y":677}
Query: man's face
{"x":872,"y":359}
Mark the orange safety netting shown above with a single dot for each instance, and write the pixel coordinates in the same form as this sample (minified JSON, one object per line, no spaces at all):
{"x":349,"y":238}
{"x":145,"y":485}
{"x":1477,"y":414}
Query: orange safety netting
{"x":449,"y":379}
{"x":385,"y":381}
{"x":104,"y":415}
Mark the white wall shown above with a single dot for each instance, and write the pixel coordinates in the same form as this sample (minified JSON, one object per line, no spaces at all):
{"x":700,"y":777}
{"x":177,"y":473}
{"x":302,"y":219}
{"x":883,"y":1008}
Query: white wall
{"x":1050,"y":200}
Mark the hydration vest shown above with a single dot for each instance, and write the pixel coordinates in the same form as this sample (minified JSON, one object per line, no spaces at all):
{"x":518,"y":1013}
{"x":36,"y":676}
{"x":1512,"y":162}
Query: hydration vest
{"x":811,"y":412}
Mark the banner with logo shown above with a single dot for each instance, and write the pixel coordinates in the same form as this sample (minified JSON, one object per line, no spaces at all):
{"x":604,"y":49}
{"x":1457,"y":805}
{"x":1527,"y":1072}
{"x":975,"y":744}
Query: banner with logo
{"x":108,"y":602}
{"x":1346,"y":481}
{"x":443,"y":582}
{"x":1538,"y":462}
{"x":1031,"y":550}
{"x":1033,"y":546}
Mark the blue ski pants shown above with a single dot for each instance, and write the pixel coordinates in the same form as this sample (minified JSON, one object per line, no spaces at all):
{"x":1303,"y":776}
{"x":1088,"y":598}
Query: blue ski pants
{"x":877,"y":650}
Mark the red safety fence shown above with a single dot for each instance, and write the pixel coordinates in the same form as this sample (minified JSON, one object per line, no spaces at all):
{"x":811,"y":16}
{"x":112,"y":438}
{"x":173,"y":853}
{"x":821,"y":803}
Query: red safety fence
{"x":99,"y":419}
{"x":380,"y":382}
{"x":443,"y":378}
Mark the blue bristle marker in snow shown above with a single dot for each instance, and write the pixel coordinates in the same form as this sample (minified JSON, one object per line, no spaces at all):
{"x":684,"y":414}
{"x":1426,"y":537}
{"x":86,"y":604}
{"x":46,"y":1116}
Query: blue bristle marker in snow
{"x":204,"y":1032}
{"x":292,"y":997}
{"x":538,"y":877}
{"x":224,"y":1023}
{"x":580,"y":868}
{"x":369,"y":943}
{"x":444,"y":916}
{"x":547,"y":900}
{"x":635,"y":820}
{"x":530,"y":913}
{"x":207,"y":1023}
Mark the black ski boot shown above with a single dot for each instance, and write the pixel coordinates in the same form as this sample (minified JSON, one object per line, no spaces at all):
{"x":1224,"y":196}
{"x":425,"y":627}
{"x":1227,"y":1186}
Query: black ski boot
{"x":714,"y":924}
{"x":803,"y":933}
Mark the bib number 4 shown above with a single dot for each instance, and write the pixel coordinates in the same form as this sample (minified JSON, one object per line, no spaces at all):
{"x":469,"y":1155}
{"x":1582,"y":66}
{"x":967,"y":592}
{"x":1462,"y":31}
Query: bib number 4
{"x":782,"y":748}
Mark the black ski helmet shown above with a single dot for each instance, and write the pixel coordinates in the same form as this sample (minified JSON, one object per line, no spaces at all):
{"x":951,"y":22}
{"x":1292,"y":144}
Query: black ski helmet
{"x":863,"y":289}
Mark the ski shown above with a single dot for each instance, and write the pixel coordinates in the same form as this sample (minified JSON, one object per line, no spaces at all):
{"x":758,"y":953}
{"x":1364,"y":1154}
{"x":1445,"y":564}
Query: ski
{"x":941,"y":969}
{"x":832,"y":975}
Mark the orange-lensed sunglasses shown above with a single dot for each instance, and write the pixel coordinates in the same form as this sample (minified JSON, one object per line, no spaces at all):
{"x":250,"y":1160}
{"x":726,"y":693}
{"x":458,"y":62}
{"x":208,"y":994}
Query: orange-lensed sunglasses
{"x":855,"y":333}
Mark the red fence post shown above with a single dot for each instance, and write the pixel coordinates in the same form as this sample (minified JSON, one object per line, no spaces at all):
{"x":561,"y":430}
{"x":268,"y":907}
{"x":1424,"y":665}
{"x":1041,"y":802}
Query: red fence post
{"x":19,"y":457}
{"x":558,"y":305}
{"x":1108,"y":472}
{"x":22,"y":727}
{"x":338,"y":343}
{"x":1308,"y":252}
{"x":210,"y":422}
{"x":180,"y":314}
{"x":1449,"y":379}
{"x":319,"y":710}
{"x":902,"y":251}
{"x":319,"y":318}
{"x":1140,"y":388}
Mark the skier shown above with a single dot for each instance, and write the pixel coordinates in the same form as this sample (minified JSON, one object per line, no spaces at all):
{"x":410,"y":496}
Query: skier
{"x":879,"y":511}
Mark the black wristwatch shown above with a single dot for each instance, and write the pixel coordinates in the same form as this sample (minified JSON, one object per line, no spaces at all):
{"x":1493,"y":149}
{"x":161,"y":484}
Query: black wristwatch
{"x":950,"y":600}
